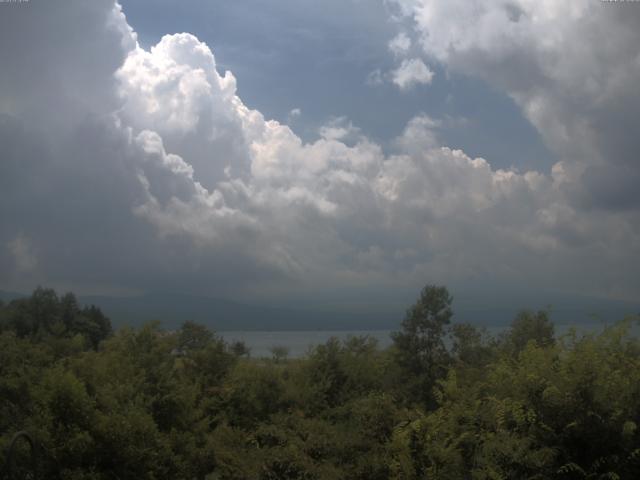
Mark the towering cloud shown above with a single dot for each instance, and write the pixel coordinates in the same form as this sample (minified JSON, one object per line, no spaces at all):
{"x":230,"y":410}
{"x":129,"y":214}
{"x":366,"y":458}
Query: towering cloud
{"x":141,"y":169}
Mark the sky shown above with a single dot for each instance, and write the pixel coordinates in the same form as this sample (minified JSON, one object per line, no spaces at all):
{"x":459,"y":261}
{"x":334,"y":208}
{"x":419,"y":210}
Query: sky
{"x":340,"y":153}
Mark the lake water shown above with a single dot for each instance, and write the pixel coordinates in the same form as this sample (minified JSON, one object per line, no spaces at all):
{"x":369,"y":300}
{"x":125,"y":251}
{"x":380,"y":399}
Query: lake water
{"x":298,"y":342}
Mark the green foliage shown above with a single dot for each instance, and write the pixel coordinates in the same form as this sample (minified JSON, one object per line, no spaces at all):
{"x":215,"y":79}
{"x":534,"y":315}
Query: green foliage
{"x":471,"y":346}
{"x":554,"y":411}
{"x":419,"y":348}
{"x":253,"y":393}
{"x":529,"y":327}
{"x":150,"y":404}
{"x":337,"y":372}
{"x":44,"y":315}
{"x":279,"y":352}
{"x":240,"y":349}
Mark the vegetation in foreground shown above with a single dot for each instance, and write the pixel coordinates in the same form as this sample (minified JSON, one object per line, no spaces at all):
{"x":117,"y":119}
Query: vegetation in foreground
{"x":151,"y":404}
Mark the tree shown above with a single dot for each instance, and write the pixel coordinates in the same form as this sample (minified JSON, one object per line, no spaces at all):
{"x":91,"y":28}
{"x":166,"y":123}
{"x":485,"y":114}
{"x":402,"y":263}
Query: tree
{"x":564,"y":411}
{"x":419,"y":347}
{"x":279,"y":353}
{"x":240,"y":349}
{"x":529,"y":326}
{"x":69,"y":310}
{"x":45,"y":315}
{"x":470,"y":345}
{"x":194,"y":336}
{"x":94,"y":325}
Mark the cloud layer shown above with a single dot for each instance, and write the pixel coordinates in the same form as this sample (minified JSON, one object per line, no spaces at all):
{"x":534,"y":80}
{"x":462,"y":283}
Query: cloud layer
{"x":126,"y":168}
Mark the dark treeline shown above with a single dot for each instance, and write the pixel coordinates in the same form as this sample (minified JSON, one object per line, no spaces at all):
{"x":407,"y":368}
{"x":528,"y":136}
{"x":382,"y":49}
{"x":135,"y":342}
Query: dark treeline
{"x":445,"y":401}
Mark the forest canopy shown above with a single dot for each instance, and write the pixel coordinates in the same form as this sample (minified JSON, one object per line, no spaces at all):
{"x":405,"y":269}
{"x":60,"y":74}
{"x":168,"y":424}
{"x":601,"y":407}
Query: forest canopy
{"x":445,"y":401}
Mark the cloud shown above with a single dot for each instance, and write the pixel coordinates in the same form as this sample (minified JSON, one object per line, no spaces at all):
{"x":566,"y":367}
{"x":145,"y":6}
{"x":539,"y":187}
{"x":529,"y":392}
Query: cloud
{"x":175,"y":90}
{"x":410,"y":73}
{"x":420,"y":135}
{"x":400,"y":44}
{"x":572,"y":69}
{"x":24,"y":255}
{"x":295,"y":112}
{"x":164,"y":179}
{"x":78,"y":91}
{"x":339,"y":128}
{"x":375,"y":78}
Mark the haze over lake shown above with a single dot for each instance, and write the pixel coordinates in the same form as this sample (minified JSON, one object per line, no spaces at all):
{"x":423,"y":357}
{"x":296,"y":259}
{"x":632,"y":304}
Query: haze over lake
{"x":299,"y":343}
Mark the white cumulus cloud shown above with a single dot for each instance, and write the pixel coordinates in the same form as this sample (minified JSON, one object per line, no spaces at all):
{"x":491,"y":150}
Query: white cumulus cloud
{"x":400,"y":44}
{"x":410,"y":73}
{"x":572,"y":67}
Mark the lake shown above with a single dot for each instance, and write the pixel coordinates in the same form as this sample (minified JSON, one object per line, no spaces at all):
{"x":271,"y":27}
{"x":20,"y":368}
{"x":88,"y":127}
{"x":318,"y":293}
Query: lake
{"x":299,"y":342}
